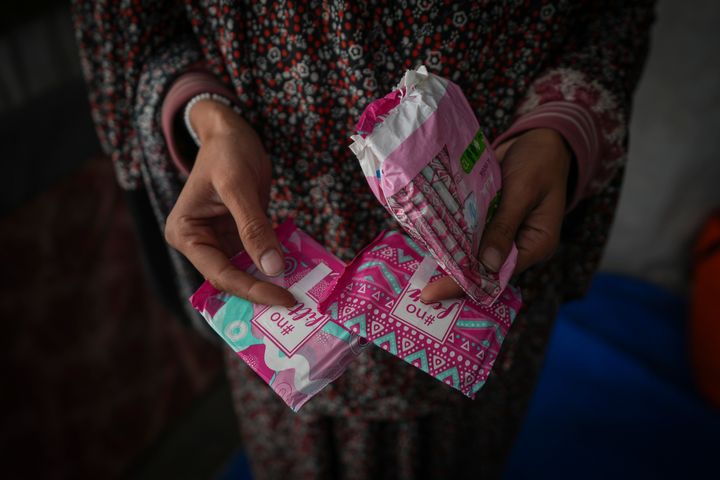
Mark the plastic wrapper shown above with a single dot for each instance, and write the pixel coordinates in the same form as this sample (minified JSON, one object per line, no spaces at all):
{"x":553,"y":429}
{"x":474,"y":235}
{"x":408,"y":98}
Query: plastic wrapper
{"x":426,"y":159}
{"x":378,"y":297}
{"x":297,"y":350}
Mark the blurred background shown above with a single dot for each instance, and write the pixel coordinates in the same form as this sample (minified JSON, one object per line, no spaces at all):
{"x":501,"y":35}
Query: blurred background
{"x":100,"y":381}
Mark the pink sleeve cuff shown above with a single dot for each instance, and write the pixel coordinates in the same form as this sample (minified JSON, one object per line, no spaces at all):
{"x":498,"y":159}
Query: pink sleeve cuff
{"x":578,"y":127}
{"x":181,"y":92}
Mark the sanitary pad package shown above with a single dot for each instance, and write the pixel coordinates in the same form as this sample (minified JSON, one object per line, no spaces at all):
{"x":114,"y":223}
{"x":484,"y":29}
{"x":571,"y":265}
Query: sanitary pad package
{"x":427,"y":161}
{"x":378,"y":297}
{"x":297,"y":351}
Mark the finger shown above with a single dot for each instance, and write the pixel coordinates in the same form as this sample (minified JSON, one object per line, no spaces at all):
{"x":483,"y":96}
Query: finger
{"x":443,"y":288}
{"x":499,"y":235}
{"x":202,"y":247}
{"x":253,"y":226}
{"x":539,"y":236}
{"x":224,"y":276}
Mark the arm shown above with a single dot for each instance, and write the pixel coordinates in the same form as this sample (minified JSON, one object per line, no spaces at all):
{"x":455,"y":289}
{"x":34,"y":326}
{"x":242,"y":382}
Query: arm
{"x":573,"y":119}
{"x":131,"y":54}
{"x":586,"y":95}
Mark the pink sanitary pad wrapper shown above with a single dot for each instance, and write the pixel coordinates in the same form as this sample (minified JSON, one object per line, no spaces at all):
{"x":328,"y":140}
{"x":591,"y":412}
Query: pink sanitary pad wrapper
{"x":297,"y":350}
{"x":427,"y":161}
{"x":378,"y":297}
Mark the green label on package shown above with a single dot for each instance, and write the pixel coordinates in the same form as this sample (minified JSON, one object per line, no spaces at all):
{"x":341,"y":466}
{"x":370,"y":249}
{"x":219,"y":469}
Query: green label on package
{"x":472,"y":153}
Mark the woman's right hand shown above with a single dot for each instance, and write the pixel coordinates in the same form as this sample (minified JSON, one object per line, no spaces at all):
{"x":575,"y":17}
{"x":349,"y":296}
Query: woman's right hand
{"x":221,"y":209}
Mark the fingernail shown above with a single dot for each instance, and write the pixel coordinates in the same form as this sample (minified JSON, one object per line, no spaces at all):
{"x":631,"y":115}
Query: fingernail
{"x":491,"y":259}
{"x":271,"y":263}
{"x":291,"y":302}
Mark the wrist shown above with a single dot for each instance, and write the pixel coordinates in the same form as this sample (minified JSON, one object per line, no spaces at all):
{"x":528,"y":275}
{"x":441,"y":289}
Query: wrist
{"x":559,"y":145}
{"x":567,"y":160}
{"x":209,"y":118}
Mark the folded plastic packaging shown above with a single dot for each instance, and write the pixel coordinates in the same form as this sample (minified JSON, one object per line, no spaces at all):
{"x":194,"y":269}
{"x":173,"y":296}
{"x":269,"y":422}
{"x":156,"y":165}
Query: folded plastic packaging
{"x":427,"y":161}
{"x":296,"y":350}
{"x":378,"y":297}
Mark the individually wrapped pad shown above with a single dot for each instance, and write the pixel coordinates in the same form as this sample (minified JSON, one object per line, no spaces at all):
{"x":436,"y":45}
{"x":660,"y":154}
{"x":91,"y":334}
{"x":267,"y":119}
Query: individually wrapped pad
{"x":378,"y":297}
{"x":297,"y":351}
{"x":428,"y":163}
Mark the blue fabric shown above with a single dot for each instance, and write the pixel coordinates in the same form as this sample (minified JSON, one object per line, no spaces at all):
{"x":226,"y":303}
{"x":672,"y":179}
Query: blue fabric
{"x":615,"y":398}
{"x":237,"y":468}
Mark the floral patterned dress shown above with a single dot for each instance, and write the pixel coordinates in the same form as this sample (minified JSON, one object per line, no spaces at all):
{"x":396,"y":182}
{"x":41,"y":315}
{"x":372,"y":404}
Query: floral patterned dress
{"x":302,"y":73}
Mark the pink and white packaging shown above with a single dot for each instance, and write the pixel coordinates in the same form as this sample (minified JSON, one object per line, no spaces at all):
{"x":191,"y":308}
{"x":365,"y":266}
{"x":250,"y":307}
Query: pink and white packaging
{"x":297,"y":350}
{"x":427,"y":161}
{"x":378,"y":297}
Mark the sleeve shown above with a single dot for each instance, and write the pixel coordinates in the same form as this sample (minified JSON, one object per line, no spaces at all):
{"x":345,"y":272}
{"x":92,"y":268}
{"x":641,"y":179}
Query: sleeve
{"x":586,"y":93}
{"x":130,"y":53}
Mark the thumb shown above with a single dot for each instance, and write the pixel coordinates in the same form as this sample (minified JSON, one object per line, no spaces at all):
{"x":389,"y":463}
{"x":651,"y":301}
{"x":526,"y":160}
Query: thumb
{"x":254,"y":227}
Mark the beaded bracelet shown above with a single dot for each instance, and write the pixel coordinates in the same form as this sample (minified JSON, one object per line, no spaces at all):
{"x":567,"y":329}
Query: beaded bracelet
{"x":204,"y":96}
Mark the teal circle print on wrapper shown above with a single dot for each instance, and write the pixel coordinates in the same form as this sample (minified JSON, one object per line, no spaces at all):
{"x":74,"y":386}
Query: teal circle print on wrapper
{"x":232,"y":323}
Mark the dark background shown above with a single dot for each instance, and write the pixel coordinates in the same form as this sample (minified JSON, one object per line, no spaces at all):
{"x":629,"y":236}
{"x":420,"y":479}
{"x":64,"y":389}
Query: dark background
{"x":99,"y":379}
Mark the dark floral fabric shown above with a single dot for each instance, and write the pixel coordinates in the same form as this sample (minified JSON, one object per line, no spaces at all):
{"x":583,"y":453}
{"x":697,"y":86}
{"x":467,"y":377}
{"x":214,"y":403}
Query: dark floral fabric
{"x":303,"y":71}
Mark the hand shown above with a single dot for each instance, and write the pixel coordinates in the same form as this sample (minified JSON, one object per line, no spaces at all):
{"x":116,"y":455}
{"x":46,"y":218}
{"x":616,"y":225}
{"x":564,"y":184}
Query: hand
{"x":535,"y":167}
{"x":221,"y":208}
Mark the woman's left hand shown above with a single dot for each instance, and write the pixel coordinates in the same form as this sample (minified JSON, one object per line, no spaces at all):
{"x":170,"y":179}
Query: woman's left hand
{"x":535,"y":167}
